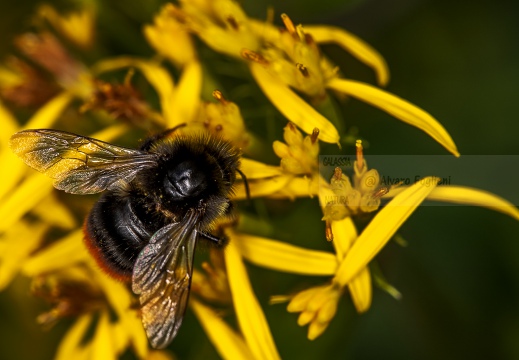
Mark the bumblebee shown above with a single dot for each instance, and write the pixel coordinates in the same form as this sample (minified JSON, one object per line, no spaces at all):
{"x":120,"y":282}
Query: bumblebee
{"x":158,"y":201}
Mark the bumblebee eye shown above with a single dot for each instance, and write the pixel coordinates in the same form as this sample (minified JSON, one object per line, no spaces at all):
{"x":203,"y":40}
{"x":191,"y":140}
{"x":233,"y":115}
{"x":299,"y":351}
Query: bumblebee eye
{"x":185,"y":180}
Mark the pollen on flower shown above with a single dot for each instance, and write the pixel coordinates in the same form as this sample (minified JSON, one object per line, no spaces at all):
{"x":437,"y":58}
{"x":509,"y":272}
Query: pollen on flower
{"x":253,"y":56}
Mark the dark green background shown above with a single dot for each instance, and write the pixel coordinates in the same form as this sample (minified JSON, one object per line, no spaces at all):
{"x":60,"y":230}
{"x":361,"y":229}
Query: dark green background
{"x":459,"y":274}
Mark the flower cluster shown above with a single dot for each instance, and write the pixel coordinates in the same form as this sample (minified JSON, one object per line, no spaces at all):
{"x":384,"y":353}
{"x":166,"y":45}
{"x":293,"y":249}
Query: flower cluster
{"x":119,"y":99}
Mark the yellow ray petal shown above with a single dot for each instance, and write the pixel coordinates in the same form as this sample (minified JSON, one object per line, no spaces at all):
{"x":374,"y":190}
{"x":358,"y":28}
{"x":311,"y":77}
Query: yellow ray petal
{"x":361,"y":290}
{"x":475,"y":197}
{"x":23,"y":199}
{"x":263,"y":187}
{"x":43,"y":118}
{"x":292,"y":106}
{"x":120,"y":298}
{"x":61,"y":254}
{"x":71,"y":346}
{"x":249,"y":313}
{"x":227,"y":342}
{"x":186,"y":98}
{"x":52,"y":211}
{"x":17,"y":244}
{"x":279,"y":256}
{"x":257,"y":170}
{"x":382,"y":228}
{"x":50,"y":112}
{"x":9,"y":127}
{"x":102,"y":344}
{"x":344,"y":235}
{"x":398,"y":107}
{"x":352,"y":44}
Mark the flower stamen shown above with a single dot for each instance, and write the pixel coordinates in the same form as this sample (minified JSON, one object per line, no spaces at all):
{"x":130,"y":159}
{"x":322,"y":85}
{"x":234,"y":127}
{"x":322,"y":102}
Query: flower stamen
{"x":253,"y":56}
{"x":303,"y":69}
{"x":290,"y":26}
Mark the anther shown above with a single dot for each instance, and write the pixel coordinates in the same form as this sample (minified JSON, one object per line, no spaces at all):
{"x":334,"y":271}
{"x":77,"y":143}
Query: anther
{"x":328,"y":231}
{"x":360,"y":155}
{"x":315,"y":135}
{"x":290,"y":26}
{"x":303,"y":69}
{"x":253,"y":56}
{"x":217,"y":94}
{"x":232,"y":21}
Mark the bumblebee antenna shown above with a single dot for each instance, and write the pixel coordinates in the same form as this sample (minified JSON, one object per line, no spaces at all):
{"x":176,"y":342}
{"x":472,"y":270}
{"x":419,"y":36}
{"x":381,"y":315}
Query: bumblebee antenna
{"x":245,"y":182}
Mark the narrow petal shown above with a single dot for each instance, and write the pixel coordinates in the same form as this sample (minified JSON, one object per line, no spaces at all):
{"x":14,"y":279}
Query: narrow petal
{"x":43,"y":118}
{"x":102,"y":344}
{"x":471,"y":196}
{"x":71,"y":346}
{"x":227,"y":342}
{"x":61,"y":254}
{"x":9,"y":126}
{"x":253,"y":323}
{"x":259,"y":188}
{"x":184,"y":104}
{"x":257,"y":170}
{"x":354,"y":45}
{"x":23,"y":199}
{"x":59,"y":216}
{"x":50,"y":112}
{"x":17,"y":244}
{"x":398,"y":107}
{"x":361,"y":290}
{"x":467,"y":196}
{"x":292,"y":106}
{"x":344,"y":235}
{"x":120,"y":299}
{"x":279,"y":256}
{"x":382,"y":228}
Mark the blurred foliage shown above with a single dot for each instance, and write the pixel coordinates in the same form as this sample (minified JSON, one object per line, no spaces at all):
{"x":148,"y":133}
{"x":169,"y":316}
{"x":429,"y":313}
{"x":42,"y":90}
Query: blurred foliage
{"x":459,"y":274}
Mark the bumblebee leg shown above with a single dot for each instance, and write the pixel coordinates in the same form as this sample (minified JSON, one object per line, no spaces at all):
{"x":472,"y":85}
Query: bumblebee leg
{"x":215,"y":240}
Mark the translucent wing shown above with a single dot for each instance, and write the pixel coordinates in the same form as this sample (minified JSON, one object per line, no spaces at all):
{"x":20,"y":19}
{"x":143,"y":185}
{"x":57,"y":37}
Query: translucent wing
{"x":79,"y":164}
{"x":162,"y":277}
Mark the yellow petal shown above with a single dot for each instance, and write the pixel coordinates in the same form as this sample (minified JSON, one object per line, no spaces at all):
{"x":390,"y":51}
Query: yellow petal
{"x":52,"y":211}
{"x":382,"y":228}
{"x":344,"y":235}
{"x":292,"y":106}
{"x":227,"y":342}
{"x":248,"y":311}
{"x":43,"y":118}
{"x":50,"y":112}
{"x":285,"y":257}
{"x":9,"y":127}
{"x":476,"y":197}
{"x":61,"y":254}
{"x":17,"y":244}
{"x":398,"y":107}
{"x":186,"y":99}
{"x":361,"y":290}
{"x":23,"y":199}
{"x":120,"y":298}
{"x":71,"y":346}
{"x":354,"y":45}
{"x":297,"y":187}
{"x":102,"y":345}
{"x":263,"y":187}
{"x":257,"y":170}
{"x":467,"y":196}
{"x":316,"y":329}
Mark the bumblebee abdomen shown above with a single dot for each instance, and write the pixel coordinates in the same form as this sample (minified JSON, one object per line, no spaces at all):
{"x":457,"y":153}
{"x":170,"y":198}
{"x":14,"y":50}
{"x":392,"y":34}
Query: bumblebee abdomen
{"x":115,"y":234}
